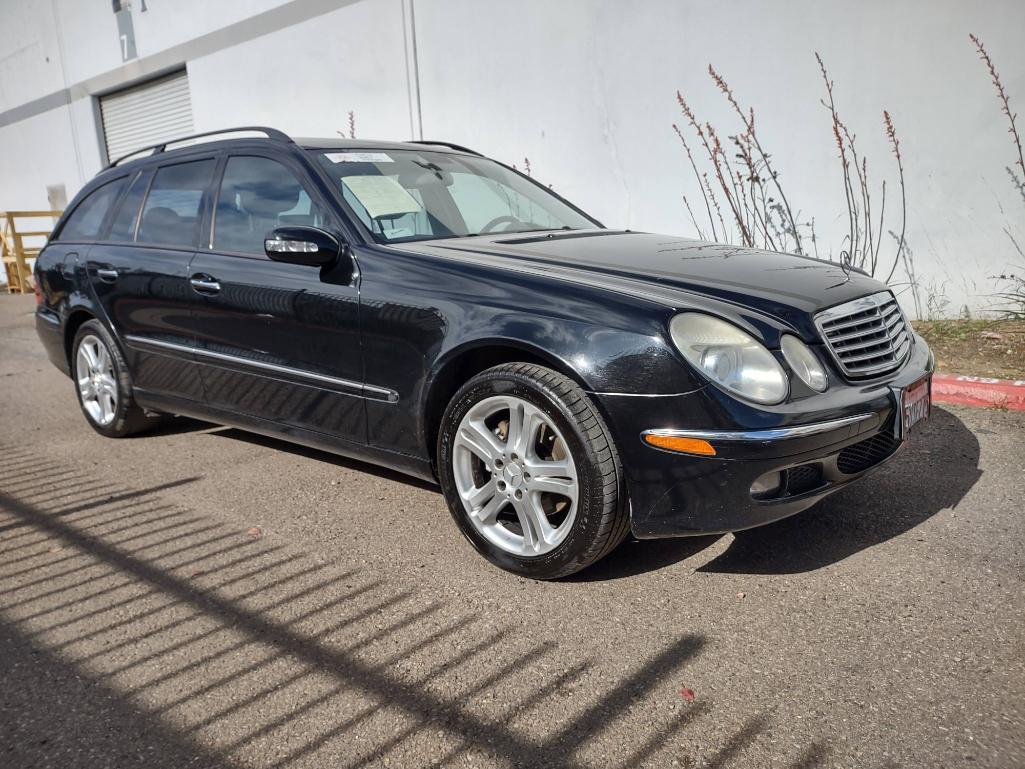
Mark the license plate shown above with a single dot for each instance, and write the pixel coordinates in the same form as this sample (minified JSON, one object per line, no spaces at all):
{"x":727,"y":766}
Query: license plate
{"x":915,"y":404}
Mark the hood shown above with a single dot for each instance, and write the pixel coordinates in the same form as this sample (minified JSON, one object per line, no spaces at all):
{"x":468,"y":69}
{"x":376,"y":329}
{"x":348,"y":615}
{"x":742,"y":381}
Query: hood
{"x":786,"y":286}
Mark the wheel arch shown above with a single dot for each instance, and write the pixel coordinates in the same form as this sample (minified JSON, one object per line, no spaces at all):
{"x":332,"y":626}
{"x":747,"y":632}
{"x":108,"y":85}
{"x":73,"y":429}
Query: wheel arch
{"x":76,"y":318}
{"x":465,"y":362}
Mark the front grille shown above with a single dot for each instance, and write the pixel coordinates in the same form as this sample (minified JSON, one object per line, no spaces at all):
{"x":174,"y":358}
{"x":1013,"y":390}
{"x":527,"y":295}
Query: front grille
{"x":803,"y":478}
{"x":860,"y":456}
{"x":867,"y":336}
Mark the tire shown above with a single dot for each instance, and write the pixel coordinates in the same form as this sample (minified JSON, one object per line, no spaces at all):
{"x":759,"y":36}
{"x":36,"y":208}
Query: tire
{"x":554,"y":529}
{"x":120,"y":416}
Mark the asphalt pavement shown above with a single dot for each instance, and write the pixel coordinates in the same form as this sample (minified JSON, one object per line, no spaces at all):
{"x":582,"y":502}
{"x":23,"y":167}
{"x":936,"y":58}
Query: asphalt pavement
{"x":201,"y":597}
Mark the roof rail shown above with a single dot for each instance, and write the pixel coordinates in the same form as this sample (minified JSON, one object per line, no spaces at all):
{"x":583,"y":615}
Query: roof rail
{"x":450,"y":145}
{"x":272,"y":133}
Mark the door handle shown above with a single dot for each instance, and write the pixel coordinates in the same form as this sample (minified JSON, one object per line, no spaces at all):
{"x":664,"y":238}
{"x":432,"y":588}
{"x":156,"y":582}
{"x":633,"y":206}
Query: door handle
{"x":106,"y":274}
{"x":204,"y":284}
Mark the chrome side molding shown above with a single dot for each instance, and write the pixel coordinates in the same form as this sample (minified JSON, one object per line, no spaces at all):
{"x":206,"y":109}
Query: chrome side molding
{"x":347,"y":385}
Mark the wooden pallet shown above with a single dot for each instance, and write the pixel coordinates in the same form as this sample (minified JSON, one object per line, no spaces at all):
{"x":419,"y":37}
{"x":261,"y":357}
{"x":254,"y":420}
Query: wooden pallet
{"x":15,"y":253}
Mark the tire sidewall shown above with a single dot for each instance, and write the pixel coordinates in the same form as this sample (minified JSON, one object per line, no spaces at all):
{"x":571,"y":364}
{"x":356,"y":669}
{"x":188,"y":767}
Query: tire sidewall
{"x":120,"y":424}
{"x":590,"y":492}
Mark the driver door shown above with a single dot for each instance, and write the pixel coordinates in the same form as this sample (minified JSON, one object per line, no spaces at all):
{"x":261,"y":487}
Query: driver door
{"x":276,"y":341}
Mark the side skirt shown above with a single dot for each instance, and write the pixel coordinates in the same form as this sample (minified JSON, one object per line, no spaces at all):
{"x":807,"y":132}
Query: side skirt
{"x":402,"y":463}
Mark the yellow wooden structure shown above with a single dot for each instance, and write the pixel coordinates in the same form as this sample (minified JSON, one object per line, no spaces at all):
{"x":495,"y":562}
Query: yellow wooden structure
{"x":16,"y":252}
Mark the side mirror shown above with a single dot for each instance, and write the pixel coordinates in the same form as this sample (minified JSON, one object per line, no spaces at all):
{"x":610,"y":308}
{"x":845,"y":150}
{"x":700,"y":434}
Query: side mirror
{"x":302,"y":245}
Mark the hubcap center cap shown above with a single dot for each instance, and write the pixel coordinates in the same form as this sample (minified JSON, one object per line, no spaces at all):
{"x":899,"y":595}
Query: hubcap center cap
{"x":513,"y":475}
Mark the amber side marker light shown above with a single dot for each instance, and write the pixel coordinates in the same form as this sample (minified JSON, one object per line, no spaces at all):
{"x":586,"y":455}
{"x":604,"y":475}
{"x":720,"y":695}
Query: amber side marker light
{"x":681,"y":444}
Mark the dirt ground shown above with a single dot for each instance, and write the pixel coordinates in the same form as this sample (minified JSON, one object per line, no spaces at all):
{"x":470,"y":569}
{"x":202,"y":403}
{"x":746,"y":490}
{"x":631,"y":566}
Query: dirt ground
{"x":994,"y":348}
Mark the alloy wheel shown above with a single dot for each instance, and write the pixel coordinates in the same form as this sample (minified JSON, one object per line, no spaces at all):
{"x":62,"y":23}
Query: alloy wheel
{"x":97,"y":381}
{"x":515,"y":476}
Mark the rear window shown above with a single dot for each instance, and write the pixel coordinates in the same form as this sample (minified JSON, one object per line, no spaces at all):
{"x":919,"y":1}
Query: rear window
{"x":123,"y":226}
{"x":85,"y":221}
{"x":174,"y":206}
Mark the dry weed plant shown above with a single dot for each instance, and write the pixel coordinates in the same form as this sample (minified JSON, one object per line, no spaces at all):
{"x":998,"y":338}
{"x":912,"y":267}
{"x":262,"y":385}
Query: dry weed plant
{"x":352,"y":127}
{"x":1011,"y":294}
{"x":745,"y":201}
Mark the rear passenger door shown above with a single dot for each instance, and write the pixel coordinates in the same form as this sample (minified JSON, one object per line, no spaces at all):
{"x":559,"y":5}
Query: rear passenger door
{"x":139,"y":273}
{"x":276,"y":341}
{"x":61,"y":260}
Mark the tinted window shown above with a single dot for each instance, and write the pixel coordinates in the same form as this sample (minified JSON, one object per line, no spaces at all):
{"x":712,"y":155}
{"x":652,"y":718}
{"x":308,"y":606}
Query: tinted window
{"x":174,"y":206}
{"x":87,"y":218}
{"x":257,"y":195}
{"x":123,"y":226}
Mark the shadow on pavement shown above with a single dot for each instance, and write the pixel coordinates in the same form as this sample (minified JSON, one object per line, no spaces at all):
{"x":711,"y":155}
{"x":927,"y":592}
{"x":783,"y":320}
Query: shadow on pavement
{"x":175,"y":426}
{"x":52,"y":709}
{"x":635,"y":557}
{"x":155,"y":636}
{"x":323,"y":456}
{"x":936,"y":469}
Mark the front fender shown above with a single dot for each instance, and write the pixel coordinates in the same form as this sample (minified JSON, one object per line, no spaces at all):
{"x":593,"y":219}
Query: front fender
{"x":420,"y":315}
{"x":597,"y":357}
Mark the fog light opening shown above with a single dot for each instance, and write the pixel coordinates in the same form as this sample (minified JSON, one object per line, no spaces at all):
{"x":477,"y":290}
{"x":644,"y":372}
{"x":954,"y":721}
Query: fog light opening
{"x":767,"y":485}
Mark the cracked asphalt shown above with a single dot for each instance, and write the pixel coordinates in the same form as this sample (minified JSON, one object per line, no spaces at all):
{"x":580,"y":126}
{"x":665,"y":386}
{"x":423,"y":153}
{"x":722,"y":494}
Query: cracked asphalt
{"x":200,"y":597}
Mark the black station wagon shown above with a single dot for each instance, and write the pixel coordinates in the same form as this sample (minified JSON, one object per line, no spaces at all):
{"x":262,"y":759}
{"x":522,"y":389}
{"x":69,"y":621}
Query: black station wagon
{"x":419,"y":306}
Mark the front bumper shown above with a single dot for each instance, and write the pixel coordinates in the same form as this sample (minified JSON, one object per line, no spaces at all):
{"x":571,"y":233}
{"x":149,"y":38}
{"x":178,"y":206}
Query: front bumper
{"x":818,"y":450}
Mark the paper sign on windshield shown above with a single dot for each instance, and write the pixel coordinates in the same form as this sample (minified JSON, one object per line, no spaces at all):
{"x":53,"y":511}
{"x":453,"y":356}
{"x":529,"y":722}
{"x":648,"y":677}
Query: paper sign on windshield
{"x":382,"y":196}
{"x":358,"y":157}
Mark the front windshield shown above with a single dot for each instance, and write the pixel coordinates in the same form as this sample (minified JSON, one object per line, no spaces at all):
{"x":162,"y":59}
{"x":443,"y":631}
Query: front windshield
{"x":404,"y":195}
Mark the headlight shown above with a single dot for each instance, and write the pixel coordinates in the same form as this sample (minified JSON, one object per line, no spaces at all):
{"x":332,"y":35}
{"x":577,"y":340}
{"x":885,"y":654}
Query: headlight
{"x":730,"y":357}
{"x":804,"y":363}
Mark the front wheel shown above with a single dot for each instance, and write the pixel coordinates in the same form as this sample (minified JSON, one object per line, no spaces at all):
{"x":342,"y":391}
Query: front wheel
{"x":530,"y":472}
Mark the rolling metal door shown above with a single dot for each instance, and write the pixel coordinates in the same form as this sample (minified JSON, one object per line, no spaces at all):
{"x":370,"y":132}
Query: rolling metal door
{"x":153,"y":112}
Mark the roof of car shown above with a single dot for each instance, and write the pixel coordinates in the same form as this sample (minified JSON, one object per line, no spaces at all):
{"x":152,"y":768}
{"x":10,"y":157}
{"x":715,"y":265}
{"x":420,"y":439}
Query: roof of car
{"x":220,"y":138}
{"x":373,"y":144}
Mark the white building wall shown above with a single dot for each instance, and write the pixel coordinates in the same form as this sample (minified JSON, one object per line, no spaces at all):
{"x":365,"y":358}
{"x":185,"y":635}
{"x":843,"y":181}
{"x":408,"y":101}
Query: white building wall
{"x":37,"y":151}
{"x":30,"y":62}
{"x":304,"y":79}
{"x":583,"y":88}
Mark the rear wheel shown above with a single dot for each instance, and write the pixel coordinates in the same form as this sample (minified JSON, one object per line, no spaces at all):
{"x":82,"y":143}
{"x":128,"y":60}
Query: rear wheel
{"x":103,"y":386}
{"x":530,"y":472}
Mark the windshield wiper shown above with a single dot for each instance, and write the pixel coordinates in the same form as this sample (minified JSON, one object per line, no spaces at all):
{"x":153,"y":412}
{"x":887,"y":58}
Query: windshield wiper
{"x":520,"y":232}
